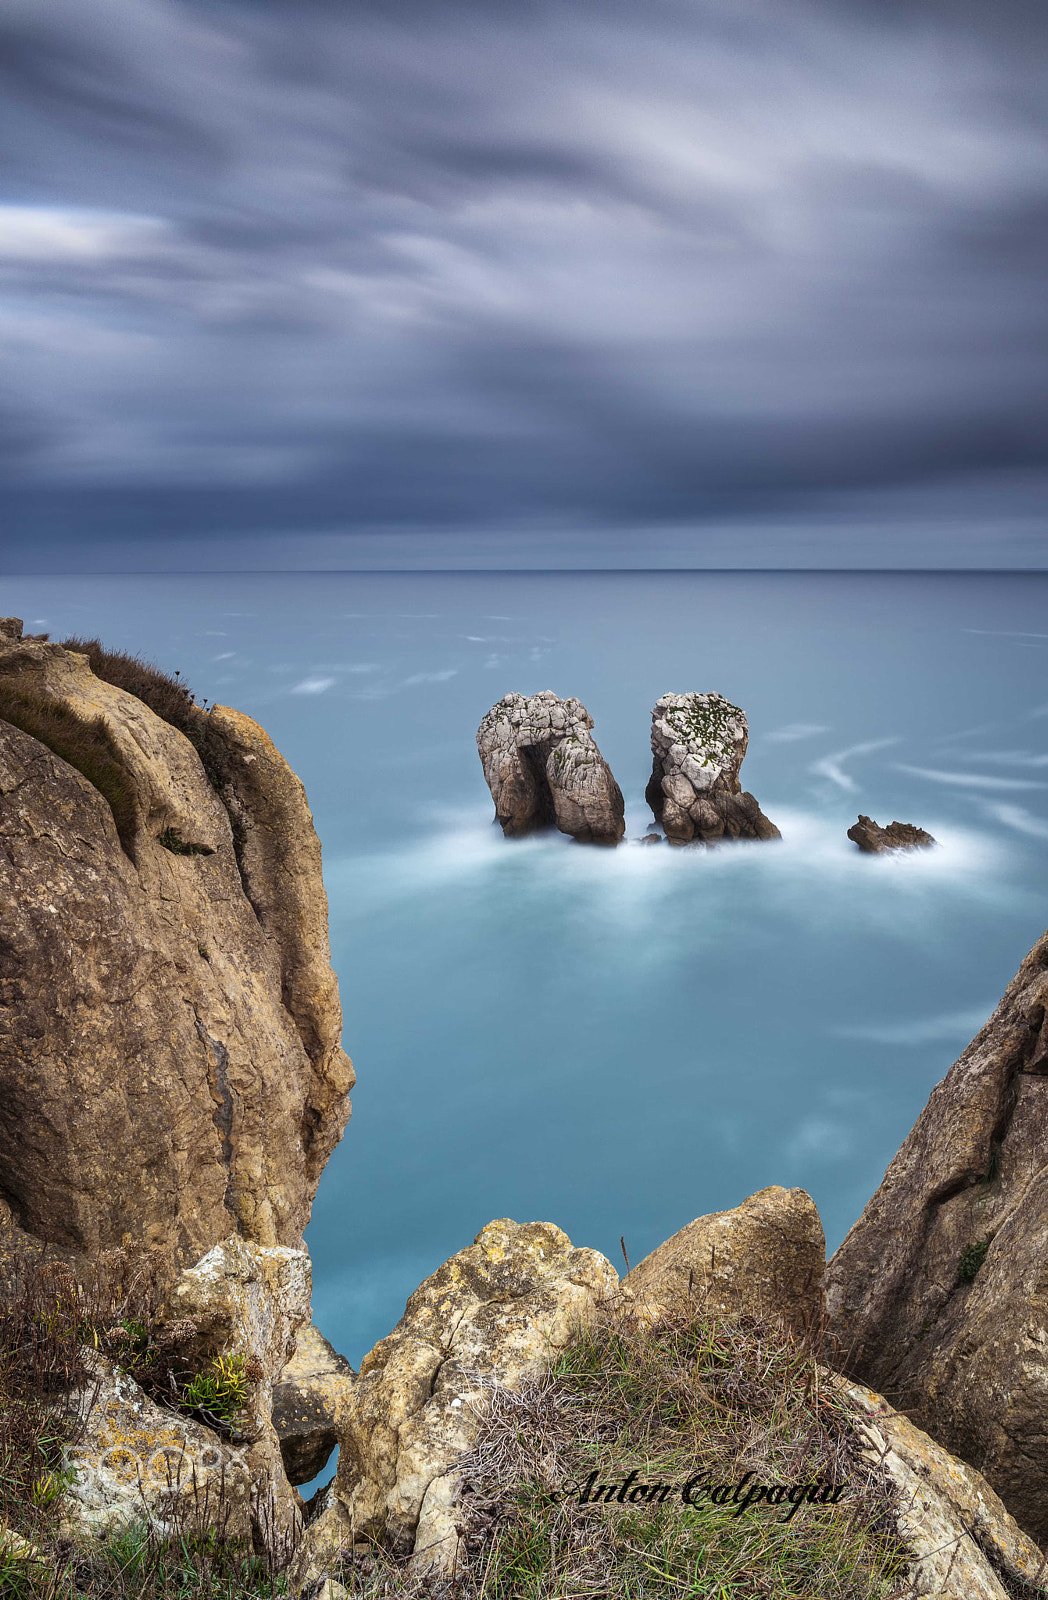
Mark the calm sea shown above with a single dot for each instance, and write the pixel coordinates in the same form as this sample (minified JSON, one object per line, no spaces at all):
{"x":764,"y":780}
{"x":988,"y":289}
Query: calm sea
{"x":618,"y":1041}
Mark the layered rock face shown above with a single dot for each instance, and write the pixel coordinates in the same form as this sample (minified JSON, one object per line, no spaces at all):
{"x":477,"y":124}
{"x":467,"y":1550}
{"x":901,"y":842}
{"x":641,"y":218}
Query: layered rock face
{"x":939,"y":1294}
{"x":543,"y":768}
{"x":496,"y":1313}
{"x":170,"y":1064}
{"x":764,"y":1258}
{"x":698,"y":742}
{"x":896,"y":836}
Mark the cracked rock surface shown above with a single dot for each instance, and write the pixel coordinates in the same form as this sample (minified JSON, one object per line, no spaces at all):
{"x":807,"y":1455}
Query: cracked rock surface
{"x":938,"y":1297}
{"x":493,"y":1314}
{"x":170,"y":1056}
{"x":543,"y":768}
{"x":698,"y":742}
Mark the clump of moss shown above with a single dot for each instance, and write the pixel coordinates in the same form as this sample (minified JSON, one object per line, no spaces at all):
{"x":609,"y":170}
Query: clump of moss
{"x":85,"y":743}
{"x":972,"y":1257}
{"x":172,"y":840}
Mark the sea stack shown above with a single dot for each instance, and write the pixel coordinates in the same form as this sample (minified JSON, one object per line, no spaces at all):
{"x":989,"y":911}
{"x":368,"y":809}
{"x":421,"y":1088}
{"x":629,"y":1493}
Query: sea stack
{"x":544,"y":770}
{"x":698,"y":742}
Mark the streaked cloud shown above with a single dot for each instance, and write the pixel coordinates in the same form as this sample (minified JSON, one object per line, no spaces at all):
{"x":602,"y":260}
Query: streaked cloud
{"x":313,"y":686}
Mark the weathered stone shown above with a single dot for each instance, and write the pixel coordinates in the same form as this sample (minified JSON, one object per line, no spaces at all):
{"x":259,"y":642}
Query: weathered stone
{"x":958,"y":1533}
{"x":764,"y":1258}
{"x":875,"y":840}
{"x":305,"y":1404}
{"x":170,"y":1066}
{"x":495,"y":1313}
{"x":939,"y":1294}
{"x":247,"y":1301}
{"x":543,"y":768}
{"x":135,"y":1462}
{"x":698,"y":742}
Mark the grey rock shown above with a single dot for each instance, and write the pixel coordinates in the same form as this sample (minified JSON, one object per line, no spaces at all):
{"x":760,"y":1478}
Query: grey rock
{"x":698,"y":742}
{"x":938,"y":1297}
{"x":544,"y":769}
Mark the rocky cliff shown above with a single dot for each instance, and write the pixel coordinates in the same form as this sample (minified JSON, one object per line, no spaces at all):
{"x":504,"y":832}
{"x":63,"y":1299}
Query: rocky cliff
{"x":939,"y":1294}
{"x":698,"y":742}
{"x":170,"y":1058}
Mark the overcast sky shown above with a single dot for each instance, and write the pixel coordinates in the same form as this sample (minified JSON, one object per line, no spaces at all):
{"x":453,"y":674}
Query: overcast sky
{"x":678,"y":279}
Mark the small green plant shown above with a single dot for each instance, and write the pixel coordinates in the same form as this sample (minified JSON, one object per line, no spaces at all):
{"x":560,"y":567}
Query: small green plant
{"x":220,"y":1393}
{"x":972,"y":1257}
{"x":172,"y":840}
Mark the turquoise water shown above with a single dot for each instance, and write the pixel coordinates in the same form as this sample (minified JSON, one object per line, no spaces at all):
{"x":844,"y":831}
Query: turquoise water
{"x":618,"y":1041}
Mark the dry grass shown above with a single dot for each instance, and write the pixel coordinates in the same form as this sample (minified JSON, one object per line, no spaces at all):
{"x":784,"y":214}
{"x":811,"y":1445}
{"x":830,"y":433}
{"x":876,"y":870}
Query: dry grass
{"x":690,"y":1396}
{"x":48,"y":1314}
{"x":164,"y":693}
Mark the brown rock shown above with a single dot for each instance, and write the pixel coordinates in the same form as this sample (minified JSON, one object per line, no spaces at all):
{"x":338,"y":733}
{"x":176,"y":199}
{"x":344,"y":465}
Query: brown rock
{"x":764,"y":1258}
{"x":896,"y":836}
{"x":306,"y":1398}
{"x":544,"y":770}
{"x":169,"y":1058}
{"x":939,"y":1294}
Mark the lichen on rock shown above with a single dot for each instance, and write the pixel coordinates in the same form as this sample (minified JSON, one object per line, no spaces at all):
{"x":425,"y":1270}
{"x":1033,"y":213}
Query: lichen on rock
{"x":698,"y":742}
{"x":495,"y":1313}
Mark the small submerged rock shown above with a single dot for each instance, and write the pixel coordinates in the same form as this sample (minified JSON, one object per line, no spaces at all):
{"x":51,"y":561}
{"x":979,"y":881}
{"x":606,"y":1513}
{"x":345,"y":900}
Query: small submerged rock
{"x":698,"y":742}
{"x":896,"y":836}
{"x":544,"y":770}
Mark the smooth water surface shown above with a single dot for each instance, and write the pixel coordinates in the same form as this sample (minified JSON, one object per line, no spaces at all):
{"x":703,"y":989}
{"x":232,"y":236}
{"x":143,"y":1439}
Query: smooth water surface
{"x":618,"y":1041}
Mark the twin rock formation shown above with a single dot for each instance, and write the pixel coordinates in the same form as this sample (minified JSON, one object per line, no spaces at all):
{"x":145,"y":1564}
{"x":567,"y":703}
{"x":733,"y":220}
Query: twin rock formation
{"x":544,"y":769}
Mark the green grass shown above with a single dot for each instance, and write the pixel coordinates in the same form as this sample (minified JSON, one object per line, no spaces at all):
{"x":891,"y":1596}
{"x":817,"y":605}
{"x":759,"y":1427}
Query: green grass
{"x":85,"y":743}
{"x":972,"y":1257}
{"x":690,"y":1396}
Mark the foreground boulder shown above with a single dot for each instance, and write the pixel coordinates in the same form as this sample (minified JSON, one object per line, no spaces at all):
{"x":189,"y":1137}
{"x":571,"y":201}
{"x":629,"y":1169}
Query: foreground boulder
{"x":896,"y":836}
{"x":496,"y":1313}
{"x":135,"y":1461}
{"x":939,"y":1294}
{"x":765,"y":1258}
{"x":306,"y":1399}
{"x":170,"y":1057}
{"x":544,"y":770}
{"x":698,"y":742}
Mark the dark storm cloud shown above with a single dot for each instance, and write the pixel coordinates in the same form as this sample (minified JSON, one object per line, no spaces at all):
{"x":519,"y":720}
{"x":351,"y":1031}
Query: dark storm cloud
{"x":306,"y":265}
